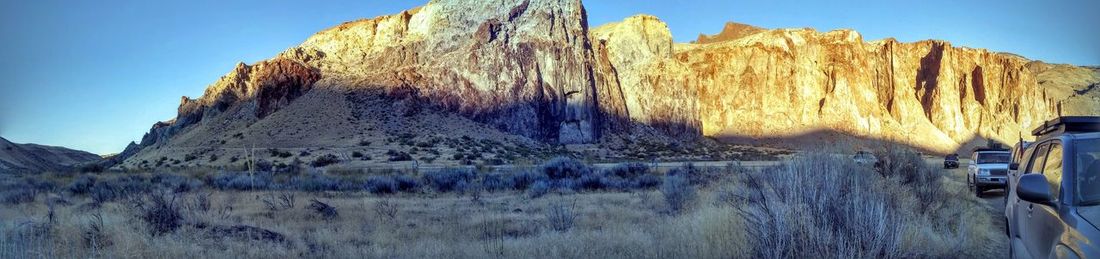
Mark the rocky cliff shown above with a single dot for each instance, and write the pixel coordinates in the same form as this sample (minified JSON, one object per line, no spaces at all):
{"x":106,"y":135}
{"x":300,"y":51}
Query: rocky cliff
{"x":533,"y":68}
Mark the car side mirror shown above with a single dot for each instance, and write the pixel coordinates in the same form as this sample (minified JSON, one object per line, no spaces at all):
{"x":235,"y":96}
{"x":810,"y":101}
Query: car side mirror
{"x":1033,"y":188}
{"x":1014,"y":166}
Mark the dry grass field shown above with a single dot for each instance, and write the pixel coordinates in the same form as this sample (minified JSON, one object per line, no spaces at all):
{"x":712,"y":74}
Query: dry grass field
{"x":817,"y":206}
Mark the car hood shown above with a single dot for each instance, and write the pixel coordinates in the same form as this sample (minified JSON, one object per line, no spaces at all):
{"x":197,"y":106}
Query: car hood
{"x":1091,"y":214}
{"x":992,"y":166}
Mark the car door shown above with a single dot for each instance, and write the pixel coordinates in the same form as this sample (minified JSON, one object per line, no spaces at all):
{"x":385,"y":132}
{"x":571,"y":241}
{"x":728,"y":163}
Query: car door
{"x":1032,"y":157}
{"x":1022,"y":209}
{"x":1044,"y":225}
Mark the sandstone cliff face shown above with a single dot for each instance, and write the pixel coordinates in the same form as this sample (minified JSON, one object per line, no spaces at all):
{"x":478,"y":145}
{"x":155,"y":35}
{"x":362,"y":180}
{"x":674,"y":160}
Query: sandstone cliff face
{"x":261,"y":88}
{"x":643,"y":83}
{"x":534,"y":69}
{"x":731,"y":31}
{"x":524,"y":67}
{"x":927,"y":94}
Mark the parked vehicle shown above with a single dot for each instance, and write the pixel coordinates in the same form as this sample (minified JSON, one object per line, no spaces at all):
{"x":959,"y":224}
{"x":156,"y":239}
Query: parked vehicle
{"x":864,"y":158}
{"x":1017,"y":154}
{"x":1054,"y":203}
{"x":988,"y":170}
{"x":951,"y":161}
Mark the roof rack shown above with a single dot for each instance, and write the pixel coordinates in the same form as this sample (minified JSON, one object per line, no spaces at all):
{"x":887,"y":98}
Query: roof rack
{"x":1069,"y":124}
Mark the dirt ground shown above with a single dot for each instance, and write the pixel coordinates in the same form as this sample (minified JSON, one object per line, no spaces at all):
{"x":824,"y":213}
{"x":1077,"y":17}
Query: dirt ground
{"x":994,"y":202}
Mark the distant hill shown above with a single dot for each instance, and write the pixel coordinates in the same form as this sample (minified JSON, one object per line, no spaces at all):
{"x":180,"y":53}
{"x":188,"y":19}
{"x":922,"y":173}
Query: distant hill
{"x":36,"y":158}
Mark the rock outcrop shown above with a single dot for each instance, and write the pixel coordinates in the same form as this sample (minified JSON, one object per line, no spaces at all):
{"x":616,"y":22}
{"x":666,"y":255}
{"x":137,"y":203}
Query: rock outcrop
{"x":731,"y":31}
{"x":927,"y":94}
{"x":38,"y":158}
{"x":522,"y":66}
{"x":534,"y":69}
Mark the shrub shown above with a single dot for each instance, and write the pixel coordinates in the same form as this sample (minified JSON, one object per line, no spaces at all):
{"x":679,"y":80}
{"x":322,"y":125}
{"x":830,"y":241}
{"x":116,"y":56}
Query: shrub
{"x":243,"y":181}
{"x":81,"y":185}
{"x":176,"y":183}
{"x":451,"y":179}
{"x":356,"y":154}
{"x":628,"y":170}
{"x":496,"y":182}
{"x":647,"y":181}
{"x":318,"y":182}
{"x":523,"y":180}
{"x":406,"y":183}
{"x":17,"y":196}
{"x":678,"y":192}
{"x":853,"y":214}
{"x":160,"y":213}
{"x":399,"y":156}
{"x":279,"y":153}
{"x":364,"y":143}
{"x":538,"y":189}
{"x":561,"y":216}
{"x":565,"y":167}
{"x":695,"y":175}
{"x":325,"y":211}
{"x":325,"y":160}
{"x":592,"y":182}
{"x":381,"y":185}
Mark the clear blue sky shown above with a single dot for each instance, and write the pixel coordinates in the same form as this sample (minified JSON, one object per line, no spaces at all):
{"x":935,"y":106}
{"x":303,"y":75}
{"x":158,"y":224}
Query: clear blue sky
{"x":95,"y":75}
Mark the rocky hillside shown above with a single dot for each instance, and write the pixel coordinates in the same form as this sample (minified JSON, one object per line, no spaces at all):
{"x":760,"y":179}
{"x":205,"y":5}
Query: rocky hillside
{"x":37,"y":158}
{"x":533,"y":70}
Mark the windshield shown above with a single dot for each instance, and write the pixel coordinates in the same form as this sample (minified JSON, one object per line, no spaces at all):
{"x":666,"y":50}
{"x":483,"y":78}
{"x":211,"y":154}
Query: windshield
{"x":994,"y":158}
{"x":1088,"y":171}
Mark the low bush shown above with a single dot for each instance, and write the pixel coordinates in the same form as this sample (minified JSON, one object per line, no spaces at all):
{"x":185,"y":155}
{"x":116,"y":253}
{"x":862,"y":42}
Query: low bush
{"x":628,"y":170}
{"x":17,"y":196}
{"x":496,"y":182}
{"x":523,"y":180}
{"x":325,"y":211}
{"x":243,"y":181}
{"x":325,"y":160}
{"x":81,"y":185}
{"x":448,"y":180}
{"x":538,"y":189}
{"x":678,"y":191}
{"x":160,"y":213}
{"x":399,"y":156}
{"x":565,"y":168}
{"x":381,"y":185}
{"x":315,"y":182}
{"x":560,"y":216}
{"x":406,"y":183}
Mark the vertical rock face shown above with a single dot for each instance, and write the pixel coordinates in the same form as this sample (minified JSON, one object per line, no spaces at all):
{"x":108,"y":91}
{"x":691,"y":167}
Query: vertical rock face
{"x":523,"y":66}
{"x":533,"y":68}
{"x":928,"y":94}
{"x":644,"y":84}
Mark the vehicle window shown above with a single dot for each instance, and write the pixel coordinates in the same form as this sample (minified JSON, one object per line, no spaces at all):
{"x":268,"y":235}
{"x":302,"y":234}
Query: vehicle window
{"x":994,"y":158}
{"x":1038,"y":156}
{"x":1052,"y":170}
{"x":1087,"y":160}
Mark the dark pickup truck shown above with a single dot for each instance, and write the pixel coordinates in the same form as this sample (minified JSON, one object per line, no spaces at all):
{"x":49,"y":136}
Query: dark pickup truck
{"x":951,"y":161}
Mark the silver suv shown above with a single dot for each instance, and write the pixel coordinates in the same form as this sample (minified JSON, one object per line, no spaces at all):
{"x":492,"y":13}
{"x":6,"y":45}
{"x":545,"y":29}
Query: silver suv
{"x":1053,"y":208}
{"x":988,"y":169}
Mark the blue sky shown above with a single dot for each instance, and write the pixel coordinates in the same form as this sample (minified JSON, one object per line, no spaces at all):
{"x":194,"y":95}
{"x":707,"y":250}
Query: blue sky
{"x":95,"y":75}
